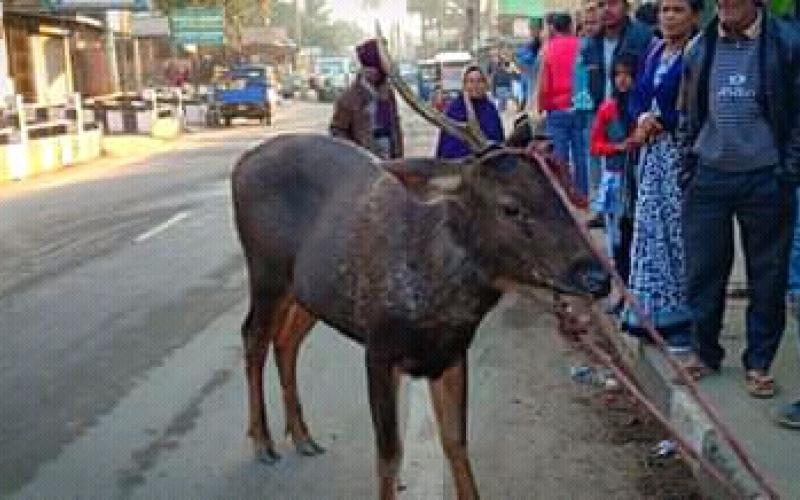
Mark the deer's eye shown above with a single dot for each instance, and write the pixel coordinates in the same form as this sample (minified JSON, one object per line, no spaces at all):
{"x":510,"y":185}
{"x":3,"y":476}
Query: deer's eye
{"x":510,"y":208}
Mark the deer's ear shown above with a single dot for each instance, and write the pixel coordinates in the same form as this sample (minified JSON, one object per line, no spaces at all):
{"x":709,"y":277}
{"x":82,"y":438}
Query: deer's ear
{"x":428,"y":174}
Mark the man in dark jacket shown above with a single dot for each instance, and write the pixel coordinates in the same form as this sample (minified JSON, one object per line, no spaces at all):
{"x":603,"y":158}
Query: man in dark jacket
{"x":739,"y":137}
{"x":619,"y":35}
{"x":366,"y":113}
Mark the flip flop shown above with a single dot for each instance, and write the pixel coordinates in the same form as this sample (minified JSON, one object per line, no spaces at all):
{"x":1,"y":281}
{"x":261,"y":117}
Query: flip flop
{"x":759,"y":384}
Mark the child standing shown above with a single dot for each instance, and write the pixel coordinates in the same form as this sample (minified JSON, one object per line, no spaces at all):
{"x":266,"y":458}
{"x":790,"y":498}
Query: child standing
{"x":610,"y":138}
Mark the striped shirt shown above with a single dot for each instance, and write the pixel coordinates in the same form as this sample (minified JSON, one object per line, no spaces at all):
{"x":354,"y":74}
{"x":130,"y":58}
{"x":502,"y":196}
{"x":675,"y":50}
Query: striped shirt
{"x":736,"y":136}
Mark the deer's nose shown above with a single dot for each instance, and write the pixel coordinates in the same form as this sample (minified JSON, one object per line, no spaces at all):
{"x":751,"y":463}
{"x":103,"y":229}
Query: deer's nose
{"x":590,"y":276}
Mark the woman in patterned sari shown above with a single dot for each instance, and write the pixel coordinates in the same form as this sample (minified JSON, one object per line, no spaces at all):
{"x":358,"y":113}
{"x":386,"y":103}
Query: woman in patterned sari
{"x":657,"y":274}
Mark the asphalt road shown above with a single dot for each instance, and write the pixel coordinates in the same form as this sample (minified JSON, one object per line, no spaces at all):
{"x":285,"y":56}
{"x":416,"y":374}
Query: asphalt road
{"x":122,"y":288}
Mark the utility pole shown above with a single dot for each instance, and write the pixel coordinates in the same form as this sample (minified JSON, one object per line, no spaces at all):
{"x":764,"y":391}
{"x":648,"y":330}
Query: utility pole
{"x":442,"y":4}
{"x":423,"y":21}
{"x":298,"y":25}
{"x":6,"y":87}
{"x":471,"y":13}
{"x":491,"y":17}
{"x":477,"y":32}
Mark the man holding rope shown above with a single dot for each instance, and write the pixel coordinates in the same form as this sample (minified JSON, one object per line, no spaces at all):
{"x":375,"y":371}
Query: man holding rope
{"x":739,"y":134}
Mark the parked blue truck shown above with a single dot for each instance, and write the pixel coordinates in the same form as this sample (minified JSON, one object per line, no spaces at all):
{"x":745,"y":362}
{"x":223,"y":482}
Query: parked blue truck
{"x":245,"y":92}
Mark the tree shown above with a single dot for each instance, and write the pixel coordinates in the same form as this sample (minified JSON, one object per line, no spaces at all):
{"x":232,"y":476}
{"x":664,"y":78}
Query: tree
{"x":281,"y":14}
{"x":430,"y":13}
{"x":316,"y":25}
{"x":339,"y":36}
{"x":430,"y":9}
{"x":319,"y":31}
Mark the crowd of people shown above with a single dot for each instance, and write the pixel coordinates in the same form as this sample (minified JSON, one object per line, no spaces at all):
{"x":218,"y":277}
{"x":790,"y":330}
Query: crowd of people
{"x":673,"y":130}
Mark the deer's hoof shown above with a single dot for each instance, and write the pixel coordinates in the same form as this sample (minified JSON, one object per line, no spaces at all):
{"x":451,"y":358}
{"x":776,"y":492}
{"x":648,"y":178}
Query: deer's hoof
{"x":267,"y":456}
{"x":308,"y":447}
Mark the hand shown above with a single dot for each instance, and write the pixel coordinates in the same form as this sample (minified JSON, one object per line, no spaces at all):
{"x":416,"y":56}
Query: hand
{"x":656,"y":128}
{"x":639,"y":135}
{"x":627,"y":145}
{"x":633,"y":143}
{"x":649,"y":126}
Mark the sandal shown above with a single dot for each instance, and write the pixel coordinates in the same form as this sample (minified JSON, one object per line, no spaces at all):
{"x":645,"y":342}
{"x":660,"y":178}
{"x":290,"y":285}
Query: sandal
{"x":759,"y":384}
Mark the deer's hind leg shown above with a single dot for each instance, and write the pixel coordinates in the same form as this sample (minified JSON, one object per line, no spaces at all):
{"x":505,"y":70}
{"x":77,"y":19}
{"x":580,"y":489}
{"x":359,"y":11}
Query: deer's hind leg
{"x":295,"y":324}
{"x":258,"y":330}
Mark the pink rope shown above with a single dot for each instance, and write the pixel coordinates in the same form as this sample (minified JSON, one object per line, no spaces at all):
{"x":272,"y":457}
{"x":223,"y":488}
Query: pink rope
{"x":683,"y":444}
{"x":647,"y":323}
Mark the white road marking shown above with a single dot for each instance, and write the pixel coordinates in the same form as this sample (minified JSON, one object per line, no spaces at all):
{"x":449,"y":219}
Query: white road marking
{"x":161,"y":227}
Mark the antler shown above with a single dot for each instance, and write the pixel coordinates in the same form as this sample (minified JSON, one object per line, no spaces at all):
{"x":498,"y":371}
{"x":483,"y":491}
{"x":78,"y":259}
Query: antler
{"x":469,"y":132}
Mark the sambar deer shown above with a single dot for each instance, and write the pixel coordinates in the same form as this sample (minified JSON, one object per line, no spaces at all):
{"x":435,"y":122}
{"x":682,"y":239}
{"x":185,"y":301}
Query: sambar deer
{"x":397,"y":260}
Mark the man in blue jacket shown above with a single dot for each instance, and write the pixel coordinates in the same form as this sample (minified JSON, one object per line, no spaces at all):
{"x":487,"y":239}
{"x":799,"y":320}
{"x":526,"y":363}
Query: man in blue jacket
{"x":739,"y":135}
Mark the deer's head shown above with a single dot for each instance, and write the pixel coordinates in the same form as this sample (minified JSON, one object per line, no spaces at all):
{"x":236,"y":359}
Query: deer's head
{"x":517,"y":204}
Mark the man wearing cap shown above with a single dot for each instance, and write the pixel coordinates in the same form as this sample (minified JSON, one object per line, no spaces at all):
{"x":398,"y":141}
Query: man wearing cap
{"x":366,"y":113}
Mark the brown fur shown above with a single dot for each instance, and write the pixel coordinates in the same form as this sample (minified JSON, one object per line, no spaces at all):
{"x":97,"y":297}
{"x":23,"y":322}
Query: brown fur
{"x":406,"y":269}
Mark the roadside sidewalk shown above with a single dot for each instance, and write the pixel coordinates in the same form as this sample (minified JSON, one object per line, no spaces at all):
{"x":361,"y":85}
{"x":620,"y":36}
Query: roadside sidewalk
{"x":123,"y":149}
{"x":119,"y":151}
{"x":774,"y":449}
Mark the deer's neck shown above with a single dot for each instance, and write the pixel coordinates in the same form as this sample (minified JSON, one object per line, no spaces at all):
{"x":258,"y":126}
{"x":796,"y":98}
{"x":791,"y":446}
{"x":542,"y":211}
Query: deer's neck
{"x":417,"y":268}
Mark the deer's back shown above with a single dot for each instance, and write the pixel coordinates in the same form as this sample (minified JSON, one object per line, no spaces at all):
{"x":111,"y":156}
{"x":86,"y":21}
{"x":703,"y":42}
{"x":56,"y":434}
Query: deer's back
{"x":282,"y":187}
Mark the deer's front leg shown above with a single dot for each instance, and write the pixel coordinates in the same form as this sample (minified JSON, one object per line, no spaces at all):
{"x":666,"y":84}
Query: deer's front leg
{"x":449,"y":396}
{"x":383,"y":380}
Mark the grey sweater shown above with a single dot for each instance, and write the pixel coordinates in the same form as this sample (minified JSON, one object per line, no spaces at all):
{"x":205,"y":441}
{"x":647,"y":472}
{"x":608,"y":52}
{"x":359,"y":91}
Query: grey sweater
{"x":736,"y":136}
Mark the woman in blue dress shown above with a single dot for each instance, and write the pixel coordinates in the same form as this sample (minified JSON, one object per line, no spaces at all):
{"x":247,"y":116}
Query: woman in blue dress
{"x":657,"y":273}
{"x":475,"y":87}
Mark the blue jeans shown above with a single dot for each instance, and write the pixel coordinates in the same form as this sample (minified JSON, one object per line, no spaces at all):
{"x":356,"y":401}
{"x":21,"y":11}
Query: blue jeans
{"x":794,"y":269}
{"x":585,"y":178}
{"x":794,"y":259}
{"x":765,"y":210}
{"x":594,"y":165}
{"x":501,"y":95}
{"x":570,"y":143}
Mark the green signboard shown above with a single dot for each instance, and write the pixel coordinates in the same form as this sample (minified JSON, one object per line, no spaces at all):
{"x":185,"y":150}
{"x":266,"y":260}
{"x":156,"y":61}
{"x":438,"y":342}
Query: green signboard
{"x":527,"y":8}
{"x":83,"y":5}
{"x":784,"y":7}
{"x":198,"y":25}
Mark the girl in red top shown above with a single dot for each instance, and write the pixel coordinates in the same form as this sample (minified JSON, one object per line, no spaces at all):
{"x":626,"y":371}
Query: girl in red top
{"x":610,"y":138}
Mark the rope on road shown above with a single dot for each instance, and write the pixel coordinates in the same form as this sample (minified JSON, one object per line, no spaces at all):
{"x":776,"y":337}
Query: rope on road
{"x":683,"y":444}
{"x":710,"y":411}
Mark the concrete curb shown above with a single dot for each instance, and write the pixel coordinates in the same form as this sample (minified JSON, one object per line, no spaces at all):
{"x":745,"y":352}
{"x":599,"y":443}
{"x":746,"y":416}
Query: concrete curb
{"x":655,"y":377}
{"x":48,"y":154}
{"x":53,"y":154}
